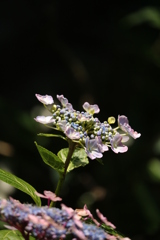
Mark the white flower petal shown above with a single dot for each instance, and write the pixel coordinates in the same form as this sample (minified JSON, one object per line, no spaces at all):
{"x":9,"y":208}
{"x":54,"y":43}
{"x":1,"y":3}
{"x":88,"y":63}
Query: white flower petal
{"x":91,"y":109}
{"x":71,"y":133}
{"x":124,"y":125}
{"x":45,"y":99}
{"x":125,"y":139}
{"x":44,"y":120}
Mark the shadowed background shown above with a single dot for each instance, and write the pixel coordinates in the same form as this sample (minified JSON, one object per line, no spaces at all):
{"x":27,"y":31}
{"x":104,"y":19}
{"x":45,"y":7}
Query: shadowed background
{"x":88,"y":51}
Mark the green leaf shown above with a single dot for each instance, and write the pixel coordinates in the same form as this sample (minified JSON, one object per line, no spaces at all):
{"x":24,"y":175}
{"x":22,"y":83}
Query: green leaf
{"x":20,"y":184}
{"x":111,"y":231}
{"x":51,"y":135}
{"x":31,"y":238}
{"x":51,"y":159}
{"x":78,"y":159}
{"x":10,"y":235}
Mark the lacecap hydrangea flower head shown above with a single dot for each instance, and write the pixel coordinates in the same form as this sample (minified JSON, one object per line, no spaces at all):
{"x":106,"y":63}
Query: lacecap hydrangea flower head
{"x":84,"y":129}
{"x":53,"y":223}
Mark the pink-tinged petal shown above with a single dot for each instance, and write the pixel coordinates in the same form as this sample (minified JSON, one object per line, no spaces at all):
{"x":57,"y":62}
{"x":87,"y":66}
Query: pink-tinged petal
{"x":104,"y":219}
{"x":18,"y":204}
{"x":52,"y":196}
{"x":15,"y":201}
{"x":93,"y":150}
{"x":64,"y":102}
{"x":81,"y":212}
{"x":3,"y":203}
{"x":86,"y":214}
{"x":69,"y":106}
{"x":69,"y":210}
{"x":62,"y":125}
{"x":111,"y":237}
{"x":88,"y":211}
{"x":90,"y":215}
{"x":49,"y":195}
{"x":33,"y":218}
{"x":125,"y":238}
{"x":119,"y":149}
{"x":37,"y":220}
{"x":45,"y":99}
{"x":103,"y":147}
{"x":124,"y":125}
{"x":77,"y":221}
{"x":134,"y":134}
{"x":125,"y":139}
{"x":91,"y":108}
{"x":40,"y":195}
{"x":117,"y":145}
{"x":93,"y":155}
{"x":78,"y":233}
{"x":44,"y":120}
{"x":81,"y":117}
{"x":72,"y":134}
{"x":122,"y":120}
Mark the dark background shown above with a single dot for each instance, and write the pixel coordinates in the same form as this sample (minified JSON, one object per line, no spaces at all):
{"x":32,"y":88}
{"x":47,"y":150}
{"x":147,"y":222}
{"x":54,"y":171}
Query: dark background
{"x":96,"y":51}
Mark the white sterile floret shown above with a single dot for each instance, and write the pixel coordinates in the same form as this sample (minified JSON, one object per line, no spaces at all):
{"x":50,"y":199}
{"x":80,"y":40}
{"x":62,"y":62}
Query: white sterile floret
{"x":45,"y":99}
{"x":44,"y":120}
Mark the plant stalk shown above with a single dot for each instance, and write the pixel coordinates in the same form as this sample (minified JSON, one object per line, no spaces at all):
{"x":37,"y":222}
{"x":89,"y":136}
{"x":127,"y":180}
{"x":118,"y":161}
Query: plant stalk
{"x":62,"y":176}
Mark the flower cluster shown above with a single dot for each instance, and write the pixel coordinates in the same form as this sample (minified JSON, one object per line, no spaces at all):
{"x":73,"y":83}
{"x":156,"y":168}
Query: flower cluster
{"x":52,"y":223}
{"x":82,"y":127}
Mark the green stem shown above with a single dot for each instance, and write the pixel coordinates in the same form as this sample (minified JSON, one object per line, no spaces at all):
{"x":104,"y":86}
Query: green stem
{"x":72,"y":146}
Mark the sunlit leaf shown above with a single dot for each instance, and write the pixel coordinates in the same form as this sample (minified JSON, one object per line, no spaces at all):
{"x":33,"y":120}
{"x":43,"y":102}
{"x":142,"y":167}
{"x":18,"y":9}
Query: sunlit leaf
{"x":51,"y":159}
{"x":79,"y":158}
{"x":12,"y":235}
{"x":20,"y":184}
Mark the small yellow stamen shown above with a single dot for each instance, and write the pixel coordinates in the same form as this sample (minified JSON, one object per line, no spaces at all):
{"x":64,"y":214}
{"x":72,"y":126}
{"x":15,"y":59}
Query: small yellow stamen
{"x":111,"y":120}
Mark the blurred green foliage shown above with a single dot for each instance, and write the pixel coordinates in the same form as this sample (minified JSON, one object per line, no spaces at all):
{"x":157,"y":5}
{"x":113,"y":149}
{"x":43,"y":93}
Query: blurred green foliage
{"x":100,"y":52}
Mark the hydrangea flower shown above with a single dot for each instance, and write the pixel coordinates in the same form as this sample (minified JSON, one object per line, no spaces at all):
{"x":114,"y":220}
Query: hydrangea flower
{"x":49,"y":195}
{"x":62,"y":125}
{"x":92,"y":148}
{"x":85,"y":214}
{"x":117,"y":145}
{"x":49,"y":223}
{"x":71,"y":133}
{"x":45,"y":99}
{"x":124,"y":125}
{"x":44,"y":120}
{"x":91,"y":108}
{"x":68,"y":130}
{"x":64,"y":102}
{"x":104,"y":219}
{"x":103,"y":146}
{"x":83,"y":128}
